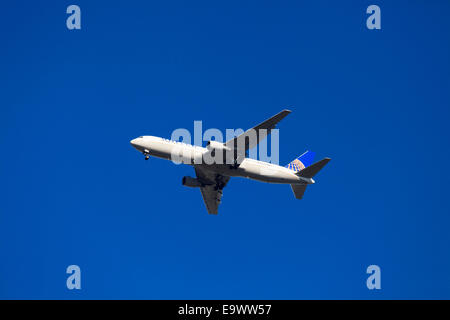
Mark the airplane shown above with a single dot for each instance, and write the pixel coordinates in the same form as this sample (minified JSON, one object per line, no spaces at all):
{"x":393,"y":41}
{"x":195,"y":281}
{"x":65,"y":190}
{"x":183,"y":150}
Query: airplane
{"x":212,"y":178}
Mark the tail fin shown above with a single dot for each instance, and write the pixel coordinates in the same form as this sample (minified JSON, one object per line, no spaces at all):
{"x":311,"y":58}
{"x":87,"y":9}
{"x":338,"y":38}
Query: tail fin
{"x":312,"y":170}
{"x":305,"y":160}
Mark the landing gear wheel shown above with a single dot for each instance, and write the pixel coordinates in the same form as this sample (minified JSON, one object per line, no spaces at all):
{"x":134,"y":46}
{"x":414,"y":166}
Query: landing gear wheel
{"x":146,"y":153}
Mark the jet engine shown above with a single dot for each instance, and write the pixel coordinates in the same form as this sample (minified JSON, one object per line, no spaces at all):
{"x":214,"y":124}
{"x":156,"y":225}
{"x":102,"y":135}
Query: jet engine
{"x":218,"y":148}
{"x":191,"y":182}
{"x":215,"y":145}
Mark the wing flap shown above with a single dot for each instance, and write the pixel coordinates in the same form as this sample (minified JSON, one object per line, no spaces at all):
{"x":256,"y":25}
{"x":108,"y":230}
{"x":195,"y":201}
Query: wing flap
{"x":211,"y":198}
{"x":212,"y":190}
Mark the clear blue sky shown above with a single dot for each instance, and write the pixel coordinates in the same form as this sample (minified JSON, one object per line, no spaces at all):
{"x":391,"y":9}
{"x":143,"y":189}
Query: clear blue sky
{"x":73,"y":190}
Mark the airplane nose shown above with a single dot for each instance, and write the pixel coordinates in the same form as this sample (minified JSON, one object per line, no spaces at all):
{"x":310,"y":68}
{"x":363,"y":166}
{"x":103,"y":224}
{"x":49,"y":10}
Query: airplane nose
{"x":136,"y":143}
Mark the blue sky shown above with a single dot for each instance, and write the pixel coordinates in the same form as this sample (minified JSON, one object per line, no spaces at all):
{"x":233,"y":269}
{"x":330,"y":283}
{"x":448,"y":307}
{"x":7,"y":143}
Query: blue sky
{"x":75,"y":192}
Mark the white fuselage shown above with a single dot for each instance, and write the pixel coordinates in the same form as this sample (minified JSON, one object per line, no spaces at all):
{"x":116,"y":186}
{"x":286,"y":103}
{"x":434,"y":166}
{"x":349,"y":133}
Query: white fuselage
{"x":193,"y":155}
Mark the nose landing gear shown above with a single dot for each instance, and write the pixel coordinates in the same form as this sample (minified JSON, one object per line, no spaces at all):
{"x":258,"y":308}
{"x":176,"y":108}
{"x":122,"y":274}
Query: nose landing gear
{"x":146,"y":154}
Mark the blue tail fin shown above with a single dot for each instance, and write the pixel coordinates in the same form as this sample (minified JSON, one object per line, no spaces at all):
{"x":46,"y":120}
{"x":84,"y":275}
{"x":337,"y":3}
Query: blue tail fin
{"x":305,"y":160}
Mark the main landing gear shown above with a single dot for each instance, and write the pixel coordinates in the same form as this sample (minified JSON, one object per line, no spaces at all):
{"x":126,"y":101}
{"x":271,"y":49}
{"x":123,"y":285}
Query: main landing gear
{"x":219,"y":185}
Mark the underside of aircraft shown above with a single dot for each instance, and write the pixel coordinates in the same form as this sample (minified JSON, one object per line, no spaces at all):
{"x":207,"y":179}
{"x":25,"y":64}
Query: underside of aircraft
{"x":211,"y":178}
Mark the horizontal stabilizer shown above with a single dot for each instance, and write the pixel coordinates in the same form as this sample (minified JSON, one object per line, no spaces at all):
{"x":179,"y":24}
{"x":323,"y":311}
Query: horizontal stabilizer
{"x":313,"y":169}
{"x":298,"y":190}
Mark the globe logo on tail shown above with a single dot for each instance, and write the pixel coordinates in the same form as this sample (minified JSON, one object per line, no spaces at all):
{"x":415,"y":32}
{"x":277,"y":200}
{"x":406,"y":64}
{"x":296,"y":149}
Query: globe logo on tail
{"x":301,"y":162}
{"x":296,"y":165}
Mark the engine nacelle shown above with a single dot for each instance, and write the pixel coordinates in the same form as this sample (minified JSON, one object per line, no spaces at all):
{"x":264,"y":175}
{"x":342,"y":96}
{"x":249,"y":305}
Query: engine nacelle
{"x":215,"y":145}
{"x":191,"y":182}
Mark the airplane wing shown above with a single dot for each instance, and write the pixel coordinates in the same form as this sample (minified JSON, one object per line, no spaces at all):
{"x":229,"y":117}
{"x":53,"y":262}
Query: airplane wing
{"x":244,"y":142}
{"x":212,"y":189}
